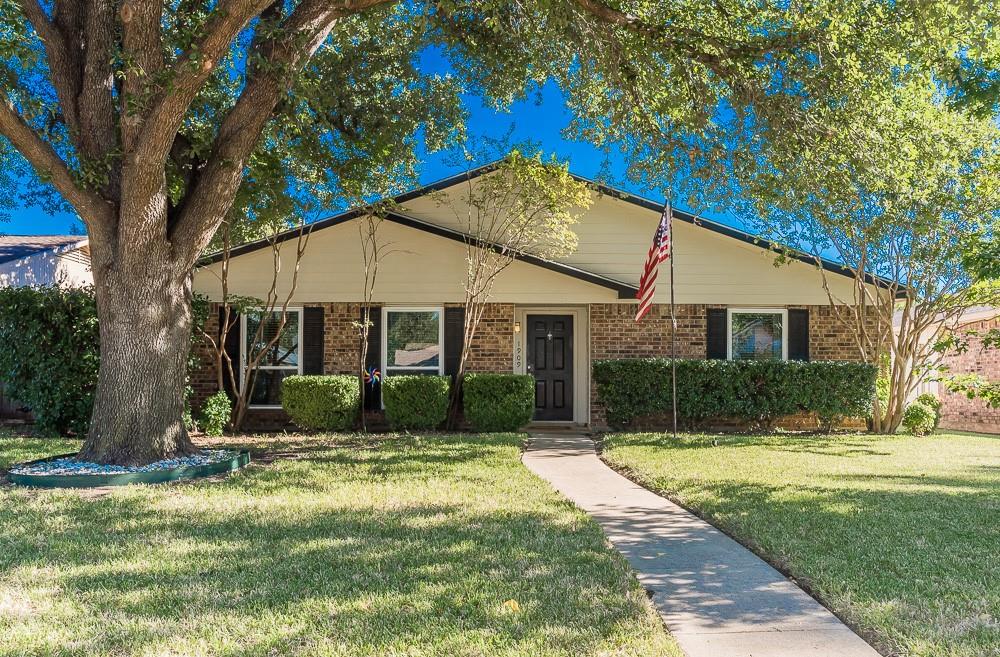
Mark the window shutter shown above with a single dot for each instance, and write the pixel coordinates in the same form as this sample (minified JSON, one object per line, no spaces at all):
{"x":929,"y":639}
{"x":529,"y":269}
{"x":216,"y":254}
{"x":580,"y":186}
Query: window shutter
{"x":373,"y":357}
{"x":454,"y":321}
{"x":716,"y":334}
{"x":232,"y":346}
{"x":312,"y":340}
{"x":798,"y":334}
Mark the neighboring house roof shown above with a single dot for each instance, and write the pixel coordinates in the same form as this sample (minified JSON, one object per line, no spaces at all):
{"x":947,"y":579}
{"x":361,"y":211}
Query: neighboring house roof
{"x":625,"y":290}
{"x":15,"y":247}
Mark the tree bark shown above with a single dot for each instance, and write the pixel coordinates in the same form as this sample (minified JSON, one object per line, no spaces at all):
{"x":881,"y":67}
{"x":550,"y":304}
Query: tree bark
{"x":145,"y":325}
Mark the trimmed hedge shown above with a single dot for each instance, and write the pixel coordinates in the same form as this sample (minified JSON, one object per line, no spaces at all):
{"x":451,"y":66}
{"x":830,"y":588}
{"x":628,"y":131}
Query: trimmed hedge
{"x":918,"y":418}
{"x":498,"y":402}
{"x":50,"y":354}
{"x":415,"y":402}
{"x":328,"y":403}
{"x":757,"y":392}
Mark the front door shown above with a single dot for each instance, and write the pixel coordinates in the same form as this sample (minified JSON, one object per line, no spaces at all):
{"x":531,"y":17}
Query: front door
{"x":550,"y":361}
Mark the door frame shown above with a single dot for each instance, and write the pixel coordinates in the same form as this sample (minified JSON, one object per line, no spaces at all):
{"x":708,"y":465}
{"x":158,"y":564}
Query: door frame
{"x":581,"y":354}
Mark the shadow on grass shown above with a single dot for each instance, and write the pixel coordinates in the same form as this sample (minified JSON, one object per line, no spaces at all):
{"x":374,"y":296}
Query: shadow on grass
{"x":274,"y":558}
{"x":911,"y":562}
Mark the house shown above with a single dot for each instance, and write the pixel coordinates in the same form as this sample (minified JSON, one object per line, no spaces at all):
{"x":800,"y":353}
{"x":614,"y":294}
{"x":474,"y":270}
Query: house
{"x":958,"y":412}
{"x":547,"y":318}
{"x":37,"y":260}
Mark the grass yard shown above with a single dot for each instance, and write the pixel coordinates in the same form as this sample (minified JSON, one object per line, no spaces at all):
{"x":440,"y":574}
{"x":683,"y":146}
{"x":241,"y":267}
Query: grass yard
{"x":900,"y":536}
{"x":398,"y":546}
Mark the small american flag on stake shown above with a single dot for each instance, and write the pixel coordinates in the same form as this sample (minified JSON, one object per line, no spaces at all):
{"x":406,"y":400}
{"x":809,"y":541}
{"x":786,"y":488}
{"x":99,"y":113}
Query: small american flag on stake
{"x":659,"y":252}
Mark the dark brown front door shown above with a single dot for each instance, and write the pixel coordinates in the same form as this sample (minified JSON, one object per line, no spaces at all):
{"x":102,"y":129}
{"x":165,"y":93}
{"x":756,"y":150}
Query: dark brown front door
{"x":550,"y":361}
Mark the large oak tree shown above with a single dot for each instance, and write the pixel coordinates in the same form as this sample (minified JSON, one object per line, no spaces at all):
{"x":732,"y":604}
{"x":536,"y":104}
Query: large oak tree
{"x":156,"y":120}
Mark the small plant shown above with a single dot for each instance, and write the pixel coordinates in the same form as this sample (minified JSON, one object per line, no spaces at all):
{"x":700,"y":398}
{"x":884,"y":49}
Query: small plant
{"x":415,"y":402}
{"x":932,"y":401}
{"x":498,"y":402}
{"x":215,"y":413}
{"x":918,"y":418}
{"x":327,"y":403}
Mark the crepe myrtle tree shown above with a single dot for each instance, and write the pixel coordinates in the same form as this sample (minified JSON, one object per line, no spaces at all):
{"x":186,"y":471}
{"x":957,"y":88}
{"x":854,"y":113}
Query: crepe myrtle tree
{"x":906,"y":216}
{"x":526,"y":205}
{"x":153,"y":120}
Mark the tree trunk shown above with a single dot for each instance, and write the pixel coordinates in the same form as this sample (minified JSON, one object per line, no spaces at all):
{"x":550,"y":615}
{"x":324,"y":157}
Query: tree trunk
{"x":145,"y":326}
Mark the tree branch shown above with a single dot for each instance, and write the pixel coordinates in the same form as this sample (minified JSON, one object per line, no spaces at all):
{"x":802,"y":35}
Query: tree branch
{"x":64,"y":64}
{"x":285,"y":52}
{"x":143,"y":48}
{"x":94,"y":211}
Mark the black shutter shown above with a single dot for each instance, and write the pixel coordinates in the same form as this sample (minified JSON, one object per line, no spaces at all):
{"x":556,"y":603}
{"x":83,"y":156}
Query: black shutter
{"x":373,"y":357}
{"x":716,"y":333}
{"x":232,"y":345}
{"x":312,"y":340}
{"x":454,"y":327}
{"x":798,"y":334}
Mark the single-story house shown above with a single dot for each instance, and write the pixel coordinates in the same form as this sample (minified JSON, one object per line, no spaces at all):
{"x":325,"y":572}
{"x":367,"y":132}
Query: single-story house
{"x":547,"y":318}
{"x":38,"y":260}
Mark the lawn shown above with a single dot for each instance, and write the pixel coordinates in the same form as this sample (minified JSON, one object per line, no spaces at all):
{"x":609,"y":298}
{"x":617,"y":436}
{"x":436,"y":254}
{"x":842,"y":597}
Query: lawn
{"x":900,"y":536}
{"x":324,"y":546}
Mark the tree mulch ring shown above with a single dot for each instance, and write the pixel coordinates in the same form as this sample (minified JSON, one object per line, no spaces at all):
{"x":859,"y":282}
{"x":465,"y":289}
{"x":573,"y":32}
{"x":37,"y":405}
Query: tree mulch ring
{"x":66,"y":471}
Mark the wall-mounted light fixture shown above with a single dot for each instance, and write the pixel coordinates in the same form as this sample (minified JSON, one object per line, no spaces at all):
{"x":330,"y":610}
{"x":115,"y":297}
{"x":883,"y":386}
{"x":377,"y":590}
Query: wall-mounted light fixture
{"x":517,"y":327}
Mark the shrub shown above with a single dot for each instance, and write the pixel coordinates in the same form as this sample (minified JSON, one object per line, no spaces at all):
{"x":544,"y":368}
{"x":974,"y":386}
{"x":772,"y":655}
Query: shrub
{"x":757,"y":392}
{"x":498,"y":402}
{"x":50,"y":355}
{"x":327,"y":403}
{"x":918,"y":418}
{"x":931,"y":400}
{"x":415,"y":402}
{"x":215,"y":413}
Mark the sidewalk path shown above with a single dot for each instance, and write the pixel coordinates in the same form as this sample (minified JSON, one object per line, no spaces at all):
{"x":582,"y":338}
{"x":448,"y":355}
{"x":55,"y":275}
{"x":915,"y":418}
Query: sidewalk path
{"x":716,"y":597}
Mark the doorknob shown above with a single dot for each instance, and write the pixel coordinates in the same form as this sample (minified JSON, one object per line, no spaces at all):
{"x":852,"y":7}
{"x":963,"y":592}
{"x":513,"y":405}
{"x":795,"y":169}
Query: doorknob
{"x":529,"y":368}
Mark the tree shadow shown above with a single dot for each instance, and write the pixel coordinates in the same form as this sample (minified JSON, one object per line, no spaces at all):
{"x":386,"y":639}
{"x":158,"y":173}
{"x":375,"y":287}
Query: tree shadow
{"x":282,"y":559}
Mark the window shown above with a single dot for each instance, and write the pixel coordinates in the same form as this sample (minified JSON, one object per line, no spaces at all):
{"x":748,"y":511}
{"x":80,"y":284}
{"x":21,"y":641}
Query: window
{"x":757,"y":334}
{"x":412,"y":342}
{"x":279,"y":360}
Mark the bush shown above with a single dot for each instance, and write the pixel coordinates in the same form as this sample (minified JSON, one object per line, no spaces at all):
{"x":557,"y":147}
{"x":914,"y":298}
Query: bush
{"x":50,"y":355}
{"x":415,"y":402}
{"x":756,"y":392}
{"x":215,"y":413}
{"x":498,"y":402}
{"x":328,"y":403}
{"x":918,"y":418}
{"x":934,"y":403}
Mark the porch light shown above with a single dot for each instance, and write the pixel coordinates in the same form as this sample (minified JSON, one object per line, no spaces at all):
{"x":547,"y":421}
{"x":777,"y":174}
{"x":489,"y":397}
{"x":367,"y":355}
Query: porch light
{"x":517,"y":327}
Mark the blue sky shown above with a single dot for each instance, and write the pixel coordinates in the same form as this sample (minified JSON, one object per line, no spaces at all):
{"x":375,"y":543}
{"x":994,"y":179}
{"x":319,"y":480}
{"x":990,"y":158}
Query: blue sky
{"x":540,"y":119}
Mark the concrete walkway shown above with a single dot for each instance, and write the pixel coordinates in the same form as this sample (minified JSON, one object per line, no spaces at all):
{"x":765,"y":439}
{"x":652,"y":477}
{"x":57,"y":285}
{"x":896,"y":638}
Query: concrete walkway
{"x":716,"y":597}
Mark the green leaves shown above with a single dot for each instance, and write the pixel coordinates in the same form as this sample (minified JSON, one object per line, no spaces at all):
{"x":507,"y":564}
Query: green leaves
{"x":756,"y":392}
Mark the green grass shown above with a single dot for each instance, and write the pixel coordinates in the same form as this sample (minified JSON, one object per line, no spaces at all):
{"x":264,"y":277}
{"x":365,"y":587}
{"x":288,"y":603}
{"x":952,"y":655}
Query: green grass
{"x":398,"y":546}
{"x":900,"y":536}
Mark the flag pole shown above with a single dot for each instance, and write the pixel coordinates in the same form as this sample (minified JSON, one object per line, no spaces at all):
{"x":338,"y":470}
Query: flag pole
{"x":673,"y":320}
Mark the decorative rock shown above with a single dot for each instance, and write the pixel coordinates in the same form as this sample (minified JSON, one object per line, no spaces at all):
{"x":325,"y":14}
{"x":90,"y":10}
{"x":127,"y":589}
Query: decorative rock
{"x":72,"y":466}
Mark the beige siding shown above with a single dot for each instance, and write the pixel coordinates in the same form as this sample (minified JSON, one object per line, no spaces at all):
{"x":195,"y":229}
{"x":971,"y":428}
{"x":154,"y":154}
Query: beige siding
{"x":418,"y":268}
{"x":711,"y":268}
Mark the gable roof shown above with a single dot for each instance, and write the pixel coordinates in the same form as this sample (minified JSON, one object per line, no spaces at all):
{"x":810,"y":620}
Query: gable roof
{"x":625,"y":290}
{"x":15,"y":247}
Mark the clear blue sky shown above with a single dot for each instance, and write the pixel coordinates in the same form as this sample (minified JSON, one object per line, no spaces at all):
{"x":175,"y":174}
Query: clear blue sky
{"x":539,"y":119}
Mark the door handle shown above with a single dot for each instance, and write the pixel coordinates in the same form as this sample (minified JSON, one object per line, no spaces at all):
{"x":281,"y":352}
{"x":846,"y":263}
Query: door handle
{"x":529,"y":367}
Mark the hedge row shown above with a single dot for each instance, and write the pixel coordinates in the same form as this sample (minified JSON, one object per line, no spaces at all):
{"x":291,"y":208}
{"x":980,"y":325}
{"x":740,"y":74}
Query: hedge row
{"x":756,"y":392}
{"x":492,"y":402}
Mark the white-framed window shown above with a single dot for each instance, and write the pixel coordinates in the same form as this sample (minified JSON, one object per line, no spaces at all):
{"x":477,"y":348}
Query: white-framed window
{"x":283,"y":358}
{"x":412,"y":340}
{"x":757,"y":334}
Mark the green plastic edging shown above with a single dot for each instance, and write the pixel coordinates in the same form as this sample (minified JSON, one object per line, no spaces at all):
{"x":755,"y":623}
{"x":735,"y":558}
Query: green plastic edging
{"x":240,"y":460}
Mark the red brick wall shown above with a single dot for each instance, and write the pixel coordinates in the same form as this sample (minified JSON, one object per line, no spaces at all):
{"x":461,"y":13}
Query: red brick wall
{"x":615,"y":334}
{"x":492,"y":349}
{"x":958,"y":411}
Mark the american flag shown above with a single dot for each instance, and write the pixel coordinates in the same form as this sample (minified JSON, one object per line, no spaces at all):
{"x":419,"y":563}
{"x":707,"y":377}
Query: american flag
{"x":659,"y":251}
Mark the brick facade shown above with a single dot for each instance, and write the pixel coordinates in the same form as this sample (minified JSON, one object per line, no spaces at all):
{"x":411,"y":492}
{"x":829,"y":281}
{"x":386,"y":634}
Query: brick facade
{"x":612,"y":329}
{"x":615,"y":334}
{"x":958,"y":412}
